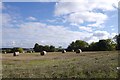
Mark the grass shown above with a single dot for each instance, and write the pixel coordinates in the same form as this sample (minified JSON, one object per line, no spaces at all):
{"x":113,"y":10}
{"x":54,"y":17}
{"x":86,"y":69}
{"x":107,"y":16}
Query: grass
{"x":61,"y":65}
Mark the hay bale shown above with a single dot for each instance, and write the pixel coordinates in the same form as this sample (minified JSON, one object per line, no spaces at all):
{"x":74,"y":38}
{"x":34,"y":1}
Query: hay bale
{"x":72,"y":50}
{"x":5,"y":52}
{"x":43,"y":53}
{"x":64,"y":51}
{"x":16,"y":54}
{"x":79,"y":51}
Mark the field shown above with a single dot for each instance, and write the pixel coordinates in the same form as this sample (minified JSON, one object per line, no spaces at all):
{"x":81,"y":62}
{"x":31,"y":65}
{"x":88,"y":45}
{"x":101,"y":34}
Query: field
{"x":61,"y":65}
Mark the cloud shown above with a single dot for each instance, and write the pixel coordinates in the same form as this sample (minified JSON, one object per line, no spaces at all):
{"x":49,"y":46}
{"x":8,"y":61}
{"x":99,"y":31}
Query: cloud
{"x":113,"y":29}
{"x":101,"y":4}
{"x":90,"y":11}
{"x":52,"y":20}
{"x":98,"y":35}
{"x":101,"y":34}
{"x":6,"y":19}
{"x":88,"y":29}
{"x":31,"y":32}
{"x":26,"y":34}
{"x":0,"y":5}
{"x":91,"y":39}
{"x":113,"y":35}
{"x":31,"y":18}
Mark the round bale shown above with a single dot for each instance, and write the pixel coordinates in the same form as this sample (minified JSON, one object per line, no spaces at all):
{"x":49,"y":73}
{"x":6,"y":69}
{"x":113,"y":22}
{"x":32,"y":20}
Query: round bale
{"x":31,"y":51}
{"x":79,"y":51}
{"x":16,"y":54}
{"x":72,"y":50}
{"x":43,"y":53}
{"x":5,"y":52}
{"x":64,"y":51}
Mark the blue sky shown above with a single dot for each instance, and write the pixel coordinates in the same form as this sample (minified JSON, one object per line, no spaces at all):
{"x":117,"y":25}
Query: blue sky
{"x":58,"y":24}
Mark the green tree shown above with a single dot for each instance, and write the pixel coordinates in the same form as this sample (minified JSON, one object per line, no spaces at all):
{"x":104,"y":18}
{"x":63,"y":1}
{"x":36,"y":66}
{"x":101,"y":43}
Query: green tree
{"x":103,"y":45}
{"x":52,"y":48}
{"x":20,"y":50}
{"x":78,"y":44}
{"x":46,"y":48}
{"x":37,"y":47}
{"x":118,"y":41}
{"x":17,"y":49}
{"x":93,"y":46}
{"x":112,"y":44}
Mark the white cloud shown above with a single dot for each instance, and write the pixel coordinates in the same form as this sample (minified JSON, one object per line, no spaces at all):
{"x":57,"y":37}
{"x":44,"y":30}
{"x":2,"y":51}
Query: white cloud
{"x":98,"y":35}
{"x":32,"y":32}
{"x":0,"y":5}
{"x":80,"y":11}
{"x":101,"y":34}
{"x":113,"y":35}
{"x":28,"y":33}
{"x":31,"y":18}
{"x":101,"y":4}
{"x":88,"y":29}
{"x":113,"y":29}
{"x":6,"y":19}
{"x":52,"y":20}
{"x":74,"y":24}
{"x":111,"y":26}
{"x":91,"y":39}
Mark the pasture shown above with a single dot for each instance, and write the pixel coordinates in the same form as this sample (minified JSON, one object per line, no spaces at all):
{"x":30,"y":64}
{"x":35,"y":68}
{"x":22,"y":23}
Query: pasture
{"x":61,"y":65}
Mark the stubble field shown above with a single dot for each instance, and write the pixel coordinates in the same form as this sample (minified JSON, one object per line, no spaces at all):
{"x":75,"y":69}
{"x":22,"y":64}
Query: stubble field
{"x":61,"y":65}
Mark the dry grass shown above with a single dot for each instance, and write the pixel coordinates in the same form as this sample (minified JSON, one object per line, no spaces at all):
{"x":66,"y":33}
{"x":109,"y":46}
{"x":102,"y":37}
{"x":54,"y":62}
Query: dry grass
{"x":61,"y":65}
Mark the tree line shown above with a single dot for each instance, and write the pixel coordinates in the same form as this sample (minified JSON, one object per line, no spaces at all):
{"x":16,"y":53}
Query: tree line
{"x":39,"y":48}
{"x":101,"y":45}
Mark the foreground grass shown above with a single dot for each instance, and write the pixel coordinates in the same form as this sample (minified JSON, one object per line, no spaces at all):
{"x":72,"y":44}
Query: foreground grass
{"x":58,"y":65}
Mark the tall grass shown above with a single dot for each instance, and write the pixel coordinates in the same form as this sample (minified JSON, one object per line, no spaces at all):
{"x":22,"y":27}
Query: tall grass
{"x":58,"y":65}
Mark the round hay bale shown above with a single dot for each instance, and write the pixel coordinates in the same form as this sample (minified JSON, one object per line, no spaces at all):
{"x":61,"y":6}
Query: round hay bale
{"x":64,"y":51}
{"x":43,"y":53}
{"x":79,"y":51}
{"x":5,"y":52}
{"x":72,"y":50}
{"x":16,"y":54}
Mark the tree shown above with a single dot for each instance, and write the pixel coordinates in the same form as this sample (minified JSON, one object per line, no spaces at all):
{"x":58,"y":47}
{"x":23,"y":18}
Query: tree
{"x":37,"y":47}
{"x":46,"y":48}
{"x":20,"y":50}
{"x":59,"y":49}
{"x":93,"y":46}
{"x":103,"y":45}
{"x":71,"y":46}
{"x":78,"y":44}
{"x":17,"y":49}
{"x":52,"y":48}
{"x":118,"y":41}
{"x":112,"y":45}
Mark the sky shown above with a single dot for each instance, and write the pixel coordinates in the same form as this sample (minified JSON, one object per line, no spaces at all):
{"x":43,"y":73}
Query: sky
{"x":58,"y":23}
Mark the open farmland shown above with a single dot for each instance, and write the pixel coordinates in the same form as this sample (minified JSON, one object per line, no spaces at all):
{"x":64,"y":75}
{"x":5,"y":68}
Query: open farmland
{"x":61,"y":65}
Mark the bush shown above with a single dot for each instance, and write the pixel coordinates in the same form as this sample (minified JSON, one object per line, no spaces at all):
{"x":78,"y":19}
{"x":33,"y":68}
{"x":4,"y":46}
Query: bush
{"x":20,"y":50}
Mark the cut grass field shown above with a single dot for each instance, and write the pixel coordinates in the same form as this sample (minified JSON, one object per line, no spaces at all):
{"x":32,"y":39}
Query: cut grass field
{"x":61,"y":65}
